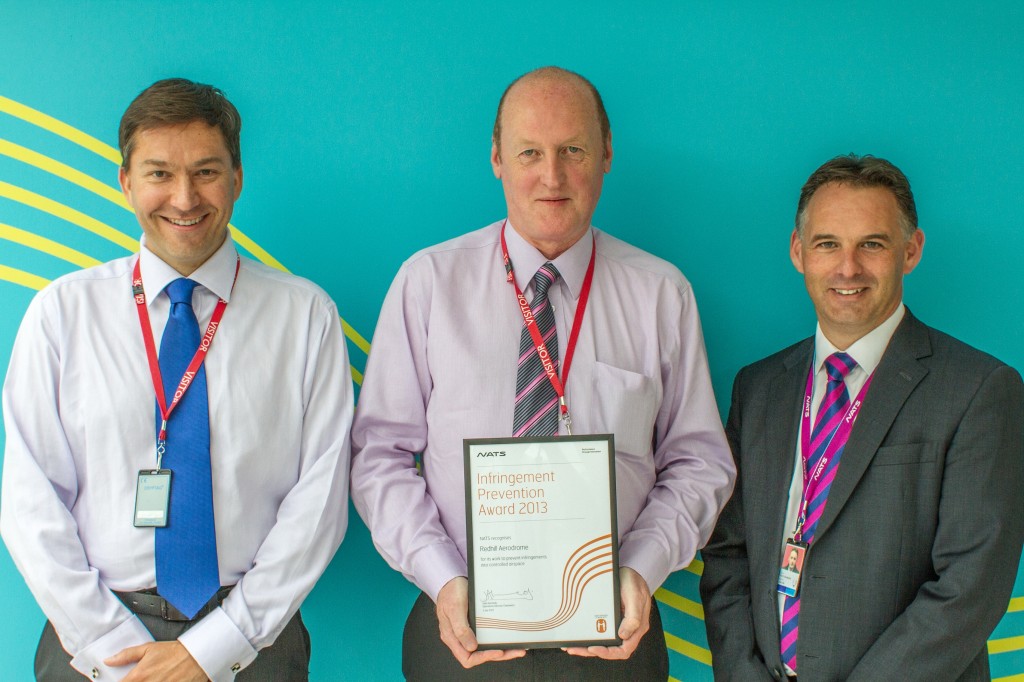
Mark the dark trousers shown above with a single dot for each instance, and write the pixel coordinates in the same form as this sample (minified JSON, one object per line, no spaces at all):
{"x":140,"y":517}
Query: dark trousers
{"x":286,"y":660}
{"x":426,"y":657}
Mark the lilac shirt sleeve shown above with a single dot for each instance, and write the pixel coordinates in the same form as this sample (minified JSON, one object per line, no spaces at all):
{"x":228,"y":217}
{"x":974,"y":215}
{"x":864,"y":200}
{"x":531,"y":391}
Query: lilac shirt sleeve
{"x":390,"y":428}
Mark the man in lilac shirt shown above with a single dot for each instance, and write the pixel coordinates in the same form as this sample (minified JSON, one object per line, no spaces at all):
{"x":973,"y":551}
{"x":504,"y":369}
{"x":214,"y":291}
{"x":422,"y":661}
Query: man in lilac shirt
{"x":444,"y":366}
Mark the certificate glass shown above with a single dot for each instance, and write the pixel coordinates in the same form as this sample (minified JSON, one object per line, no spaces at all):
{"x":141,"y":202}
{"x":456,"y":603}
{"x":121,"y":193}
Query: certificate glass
{"x":542,"y":541}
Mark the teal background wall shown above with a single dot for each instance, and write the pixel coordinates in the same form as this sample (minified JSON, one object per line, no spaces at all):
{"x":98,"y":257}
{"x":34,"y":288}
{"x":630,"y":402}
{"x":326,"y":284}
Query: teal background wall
{"x":366,"y":137}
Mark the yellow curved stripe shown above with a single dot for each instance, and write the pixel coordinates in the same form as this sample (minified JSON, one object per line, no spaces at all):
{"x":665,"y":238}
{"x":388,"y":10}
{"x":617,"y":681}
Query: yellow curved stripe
{"x":357,"y":376}
{"x":680,"y":603}
{"x":1016,"y":604}
{"x":38,"y":118}
{"x":672,"y":679}
{"x":256,"y":250}
{"x":1001,"y":646}
{"x":355,"y":337}
{"x":25,"y":279}
{"x":64,"y":171}
{"x":696,"y":567}
{"x":34,"y":241}
{"x":1010,"y":678}
{"x":67,"y":213}
{"x":681,"y":646}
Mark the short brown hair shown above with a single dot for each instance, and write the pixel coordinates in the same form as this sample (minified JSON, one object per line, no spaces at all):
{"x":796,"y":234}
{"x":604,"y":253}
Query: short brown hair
{"x":175,"y":101}
{"x":861,"y":171}
{"x":602,"y":115}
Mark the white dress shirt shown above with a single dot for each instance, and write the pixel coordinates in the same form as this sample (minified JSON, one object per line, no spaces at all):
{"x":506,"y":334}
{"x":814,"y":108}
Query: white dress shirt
{"x":443,"y":368}
{"x":79,"y":415}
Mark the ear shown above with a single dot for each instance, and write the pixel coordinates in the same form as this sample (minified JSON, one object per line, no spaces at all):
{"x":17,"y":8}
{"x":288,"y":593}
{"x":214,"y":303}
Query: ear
{"x":125,"y":181}
{"x":913,"y":250}
{"x":495,"y":159}
{"x":238,"y":181}
{"x":608,"y":153}
{"x":796,"y":252}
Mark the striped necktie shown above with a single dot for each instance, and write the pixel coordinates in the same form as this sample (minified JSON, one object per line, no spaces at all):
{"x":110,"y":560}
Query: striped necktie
{"x":536,"y":412}
{"x":186,"y":549}
{"x":834,"y":407}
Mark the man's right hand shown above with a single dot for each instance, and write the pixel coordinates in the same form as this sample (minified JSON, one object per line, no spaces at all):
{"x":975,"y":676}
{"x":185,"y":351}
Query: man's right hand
{"x":453,"y":622}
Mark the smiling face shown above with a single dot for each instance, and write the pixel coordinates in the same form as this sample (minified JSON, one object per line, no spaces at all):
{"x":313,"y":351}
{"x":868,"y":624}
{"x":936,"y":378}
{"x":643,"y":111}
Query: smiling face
{"x":853,"y":256}
{"x":181,"y":183}
{"x":551,"y":160}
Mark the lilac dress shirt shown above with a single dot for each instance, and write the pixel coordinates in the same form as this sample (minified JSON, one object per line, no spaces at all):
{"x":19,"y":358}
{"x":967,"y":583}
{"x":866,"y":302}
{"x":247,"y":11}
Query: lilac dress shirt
{"x":443,"y":368}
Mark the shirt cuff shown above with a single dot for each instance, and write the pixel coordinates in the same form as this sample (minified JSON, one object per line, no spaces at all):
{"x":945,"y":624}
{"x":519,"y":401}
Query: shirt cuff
{"x":89,"y":661}
{"x":436,"y":565}
{"x":652,"y":563}
{"x":218,"y":646}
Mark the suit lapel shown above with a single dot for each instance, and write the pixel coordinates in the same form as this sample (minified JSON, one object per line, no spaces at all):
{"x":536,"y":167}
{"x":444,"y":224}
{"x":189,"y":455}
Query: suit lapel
{"x":775,"y":468}
{"x":896,"y":377}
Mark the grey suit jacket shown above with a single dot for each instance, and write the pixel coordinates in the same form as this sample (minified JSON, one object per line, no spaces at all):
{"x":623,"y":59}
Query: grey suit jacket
{"x":916,"y":553}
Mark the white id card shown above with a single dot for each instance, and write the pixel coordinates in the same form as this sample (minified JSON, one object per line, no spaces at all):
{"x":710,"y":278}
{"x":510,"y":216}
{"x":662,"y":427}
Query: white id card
{"x":152,"y":495}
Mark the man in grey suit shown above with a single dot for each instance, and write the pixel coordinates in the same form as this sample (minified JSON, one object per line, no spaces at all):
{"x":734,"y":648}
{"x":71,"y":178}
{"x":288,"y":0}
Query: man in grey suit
{"x":907,"y":495}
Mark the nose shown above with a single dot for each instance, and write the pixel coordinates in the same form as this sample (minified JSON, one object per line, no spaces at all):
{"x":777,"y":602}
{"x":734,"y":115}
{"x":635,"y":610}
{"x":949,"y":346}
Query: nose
{"x":849,"y":262}
{"x":553,"y":171}
{"x":184,"y":196}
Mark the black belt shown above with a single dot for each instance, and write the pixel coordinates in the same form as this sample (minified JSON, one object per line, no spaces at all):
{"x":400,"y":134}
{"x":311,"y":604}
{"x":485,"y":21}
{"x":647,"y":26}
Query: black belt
{"x":149,"y":603}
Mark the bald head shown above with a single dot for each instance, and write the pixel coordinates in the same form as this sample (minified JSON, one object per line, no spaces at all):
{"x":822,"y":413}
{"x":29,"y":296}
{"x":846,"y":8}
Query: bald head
{"x":553,"y":77}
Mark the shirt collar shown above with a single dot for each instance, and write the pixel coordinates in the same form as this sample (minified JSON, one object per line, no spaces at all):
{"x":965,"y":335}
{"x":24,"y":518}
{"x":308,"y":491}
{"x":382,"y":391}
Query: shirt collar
{"x":867,"y":351}
{"x":572,"y":265}
{"x":217,"y":274}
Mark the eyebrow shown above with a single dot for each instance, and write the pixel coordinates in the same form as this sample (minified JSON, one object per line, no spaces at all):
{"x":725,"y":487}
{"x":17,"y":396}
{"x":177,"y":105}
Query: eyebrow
{"x":207,"y":161}
{"x":874,"y":237}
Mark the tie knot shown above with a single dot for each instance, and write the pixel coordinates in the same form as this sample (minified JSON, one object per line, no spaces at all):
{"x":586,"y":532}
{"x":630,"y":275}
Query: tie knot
{"x":180,"y":290}
{"x":838,"y":365}
{"x":544,"y":278}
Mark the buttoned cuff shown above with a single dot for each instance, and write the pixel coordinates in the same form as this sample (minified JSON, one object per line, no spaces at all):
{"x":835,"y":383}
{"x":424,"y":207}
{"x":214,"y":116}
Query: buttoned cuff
{"x":651,"y":562}
{"x":218,"y":646}
{"x":436,"y":565}
{"x":89,"y":661}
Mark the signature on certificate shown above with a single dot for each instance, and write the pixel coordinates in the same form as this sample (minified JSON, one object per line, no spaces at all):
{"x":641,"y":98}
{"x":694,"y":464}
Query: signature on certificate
{"x":492,"y":596}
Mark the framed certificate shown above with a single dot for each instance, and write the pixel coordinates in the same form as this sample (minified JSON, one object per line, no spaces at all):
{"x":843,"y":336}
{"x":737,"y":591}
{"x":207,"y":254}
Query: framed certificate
{"x":542,"y":541}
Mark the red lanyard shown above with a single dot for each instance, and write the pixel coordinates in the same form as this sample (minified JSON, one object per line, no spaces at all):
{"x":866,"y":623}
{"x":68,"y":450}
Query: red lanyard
{"x":812,"y":479}
{"x":154,"y":364}
{"x":538,"y":340}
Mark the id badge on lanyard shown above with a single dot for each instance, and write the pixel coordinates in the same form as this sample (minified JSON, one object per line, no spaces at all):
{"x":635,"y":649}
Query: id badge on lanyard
{"x":153,"y":487}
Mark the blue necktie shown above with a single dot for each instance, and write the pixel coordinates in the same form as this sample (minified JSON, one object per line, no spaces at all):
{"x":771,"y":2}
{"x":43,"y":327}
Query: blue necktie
{"x":186,"y":549}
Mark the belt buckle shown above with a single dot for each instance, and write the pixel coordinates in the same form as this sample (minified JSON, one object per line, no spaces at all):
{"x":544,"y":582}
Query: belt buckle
{"x":169,"y":613}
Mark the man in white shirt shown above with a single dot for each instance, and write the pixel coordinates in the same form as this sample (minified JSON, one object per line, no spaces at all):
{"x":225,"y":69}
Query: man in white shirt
{"x":887,"y":453}
{"x":176,"y":542}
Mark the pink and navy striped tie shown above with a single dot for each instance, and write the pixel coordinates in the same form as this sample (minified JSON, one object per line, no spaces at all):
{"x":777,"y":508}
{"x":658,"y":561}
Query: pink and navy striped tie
{"x":834,"y":407}
{"x":536,"y":412}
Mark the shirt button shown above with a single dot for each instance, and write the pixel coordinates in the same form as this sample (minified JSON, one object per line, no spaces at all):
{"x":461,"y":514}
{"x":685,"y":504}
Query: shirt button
{"x":95,"y":673}
{"x":236,"y":667}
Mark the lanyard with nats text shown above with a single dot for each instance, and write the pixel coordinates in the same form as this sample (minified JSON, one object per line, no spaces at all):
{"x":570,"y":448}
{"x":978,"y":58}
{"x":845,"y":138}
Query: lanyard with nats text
{"x":154,"y":364}
{"x":812,"y":479}
{"x":538,"y":340}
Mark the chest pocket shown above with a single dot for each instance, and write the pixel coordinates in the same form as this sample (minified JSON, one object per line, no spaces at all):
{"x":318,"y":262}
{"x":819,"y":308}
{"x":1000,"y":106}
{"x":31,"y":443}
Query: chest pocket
{"x":627,"y":405}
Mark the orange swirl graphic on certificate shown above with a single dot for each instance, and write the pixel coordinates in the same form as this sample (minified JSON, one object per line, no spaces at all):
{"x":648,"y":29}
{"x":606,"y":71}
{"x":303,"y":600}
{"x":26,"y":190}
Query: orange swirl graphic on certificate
{"x":587,"y":562}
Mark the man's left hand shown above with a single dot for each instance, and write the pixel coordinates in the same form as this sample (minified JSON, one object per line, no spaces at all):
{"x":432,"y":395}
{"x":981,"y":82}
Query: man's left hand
{"x":159,"y":662}
{"x":636,"y":619}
